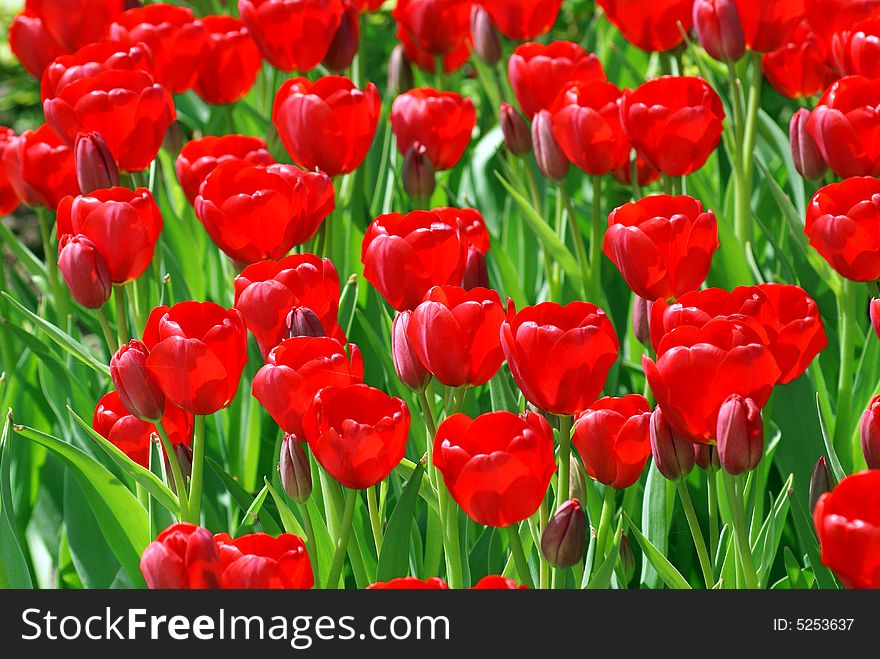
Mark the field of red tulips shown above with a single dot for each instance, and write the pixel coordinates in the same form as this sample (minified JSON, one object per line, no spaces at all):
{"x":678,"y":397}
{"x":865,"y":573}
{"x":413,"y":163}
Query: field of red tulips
{"x":434,"y":294}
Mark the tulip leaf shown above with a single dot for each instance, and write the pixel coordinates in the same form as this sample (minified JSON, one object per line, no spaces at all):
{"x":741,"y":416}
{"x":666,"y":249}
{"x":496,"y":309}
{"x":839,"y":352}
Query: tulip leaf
{"x":657,"y":503}
{"x":14,"y":571}
{"x":601,"y":579}
{"x":252,"y":514}
{"x":25,"y":257}
{"x":394,"y":556}
{"x":796,"y":578}
{"x":767,"y":543}
{"x":241,"y":497}
{"x":288,"y":519}
{"x":90,"y":554}
{"x":348,"y":304}
{"x":670,"y":576}
{"x":833,"y":460}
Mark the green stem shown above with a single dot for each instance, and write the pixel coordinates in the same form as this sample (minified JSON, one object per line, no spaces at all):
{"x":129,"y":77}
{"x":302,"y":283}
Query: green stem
{"x":198,"y":469}
{"x":544,"y":576}
{"x":121,"y":315}
{"x":106,"y":330}
{"x":375,"y":522}
{"x":712,"y":485}
{"x":564,"y":457}
{"x":608,"y":506}
{"x":453,"y":547}
{"x":847,"y":303}
{"x":696,"y":532}
{"x":519,"y":556}
{"x":596,"y":234}
{"x":311,"y":547}
{"x":746,"y":168}
{"x":176,"y":474}
{"x":59,"y":295}
{"x":577,"y":237}
{"x":342,"y":541}
{"x":744,"y":550}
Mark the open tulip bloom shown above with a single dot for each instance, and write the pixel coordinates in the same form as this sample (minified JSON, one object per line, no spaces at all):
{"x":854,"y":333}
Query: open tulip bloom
{"x":441,"y":294}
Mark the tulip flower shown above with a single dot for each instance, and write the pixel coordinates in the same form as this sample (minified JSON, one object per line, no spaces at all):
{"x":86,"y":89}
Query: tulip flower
{"x":425,"y":60}
{"x":231,"y":61}
{"x":652,"y":25}
{"x":31,"y":43}
{"x":641,"y":315}
{"x":539,"y":72}
{"x":830,"y":17}
{"x":261,"y":561}
{"x":551,"y":160}
{"x":869,"y":432}
{"x":662,"y":245}
{"x":799,"y":68}
{"x":673,"y":454}
{"x":183,"y":556}
{"x":564,"y":539}
{"x":559,"y":356}
{"x":75,"y":24}
{"x":410,"y":583}
{"x":435,"y":26}
{"x":409,"y":369}
{"x":294,"y":469}
{"x":255,"y":212}
{"x":719,"y":29}
{"x":137,"y":387}
{"x":497,"y":582}
{"x":123,"y":225}
{"x":8,"y":199}
{"x":498,"y":466}
{"x":874,"y":313}
{"x":39,"y":167}
{"x":296,"y":370}
{"x":769,"y":25}
{"x":200,"y":157}
{"x":517,"y":137}
{"x":706,"y":457}
{"x":740,"y":434}
{"x":94,"y":164}
{"x":804,"y":151}
{"x":302,"y":321}
{"x":175,"y":38}
{"x":197,"y":354}
{"x":84,"y":271}
{"x":92,"y":59}
{"x":856,"y":51}
{"x":848,"y":527}
{"x":419,"y":180}
{"x":346,"y":41}
{"x":357,"y":433}
{"x":455,"y":334}
{"x":522,"y":19}
{"x":265,"y":293}
{"x":328,"y":124}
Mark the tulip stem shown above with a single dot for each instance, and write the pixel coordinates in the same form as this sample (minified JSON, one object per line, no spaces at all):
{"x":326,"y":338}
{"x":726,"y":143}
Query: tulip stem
{"x":596,"y":235}
{"x":576,"y":235}
{"x":735,"y":502}
{"x":375,"y":521}
{"x":519,"y":556}
{"x":696,"y":532}
{"x":176,"y":474}
{"x":106,"y":330}
{"x":198,"y":468}
{"x":608,"y":505}
{"x":121,"y":317}
{"x":746,"y":167}
{"x":712,"y":503}
{"x":59,"y":295}
{"x":310,"y":536}
{"x":847,"y":303}
{"x":544,"y":575}
{"x":564,"y":457}
{"x":342,"y":540}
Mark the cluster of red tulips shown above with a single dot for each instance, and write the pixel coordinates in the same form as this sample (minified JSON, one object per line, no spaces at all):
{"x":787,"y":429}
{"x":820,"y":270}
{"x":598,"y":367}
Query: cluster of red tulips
{"x":705,"y":361}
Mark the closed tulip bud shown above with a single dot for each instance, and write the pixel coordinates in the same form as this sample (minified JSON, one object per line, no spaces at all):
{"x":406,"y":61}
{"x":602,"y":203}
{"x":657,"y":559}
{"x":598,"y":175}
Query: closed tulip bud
{"x":870,"y":433}
{"x":515,"y":130}
{"x":719,"y":29}
{"x":345,"y":43}
{"x":400,"y":73}
{"x":673,"y":454}
{"x":706,"y":457}
{"x":641,"y":320}
{"x":84,"y":270}
{"x":821,"y":481}
{"x":418,"y":173}
{"x":475,"y":273}
{"x":302,"y":321}
{"x":487,"y":44}
{"x":740,"y":434}
{"x":550,"y":158}
{"x":804,"y":150}
{"x":409,"y":369}
{"x":138,"y":389}
{"x":94,"y":164}
{"x":874,"y":312}
{"x":627,"y":561}
{"x":565,"y":536}
{"x":184,"y":456}
{"x":293,"y":465}
{"x":173,"y":140}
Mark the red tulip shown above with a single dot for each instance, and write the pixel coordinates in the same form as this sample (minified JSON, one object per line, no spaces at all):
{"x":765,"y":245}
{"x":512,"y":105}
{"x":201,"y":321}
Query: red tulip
{"x":40,"y":167}
{"x":847,"y":522}
{"x":32,"y":44}
{"x":856,"y":50}
{"x":8,"y":199}
{"x":673,"y":454}
{"x":612,"y":436}
{"x":564,"y":538}
{"x":138,"y":389}
{"x":740,"y":435}
{"x":255,"y":212}
{"x":674,"y":122}
{"x":406,"y":255}
{"x":441,"y":121}
{"x":410,"y":583}
{"x":843,"y":224}
{"x":182,"y":556}
{"x":486,"y":42}
{"x":407,"y":366}
{"x":498,"y":466}
{"x":176,"y":39}
{"x":538,"y":73}
{"x":84,"y":271}
{"x":719,"y":29}
{"x":267,"y":291}
{"x":435,"y":26}
{"x":804,"y":151}
{"x":296,"y":370}
{"x":261,"y":561}
{"x":522,"y":19}
{"x":662,"y":245}
{"x":455,"y":334}
{"x":497,"y":582}
{"x":451,"y":61}
{"x":874,"y":313}
{"x":123,"y":224}
{"x":293,"y":35}
{"x":197,"y":353}
{"x":328,"y":124}
{"x":94,"y":164}
{"x":869,"y":433}
{"x":800,"y":67}
{"x":294,"y":469}
{"x":230,"y":63}
{"x":92,"y":59}
{"x":200,"y":157}
{"x":846,"y":127}
{"x":117,"y":425}
{"x":75,"y":24}
{"x":559,"y":355}
{"x":769,"y":25}
{"x":347,"y":40}
{"x":517,"y":136}
{"x":126,"y":107}
{"x":357,"y":433}
{"x":551,"y":161}
{"x":829,"y":17}
{"x":652,"y":25}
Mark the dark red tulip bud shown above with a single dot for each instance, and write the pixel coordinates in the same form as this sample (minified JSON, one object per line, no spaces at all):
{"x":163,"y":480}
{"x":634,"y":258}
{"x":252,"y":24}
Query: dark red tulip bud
{"x":409,"y":369}
{"x":184,"y":456}
{"x":740,"y":434}
{"x":345,"y":43}
{"x":719,"y":29}
{"x":565,"y":536}
{"x":641,"y":319}
{"x":821,"y":481}
{"x":515,"y":130}
{"x":400,"y":73}
{"x":95,"y":167}
{"x":870,"y":433}
{"x":804,"y":150}
{"x":84,"y":270}
{"x":874,"y":312}
{"x":487,"y":44}
{"x":293,"y":465}
{"x":706,"y":457}
{"x":476,"y":275}
{"x":627,"y":560}
{"x":550,"y":158}
{"x":673,"y":454}
{"x":138,"y":389}
{"x":418,"y":173}
{"x":173,"y":140}
{"x":302,"y":321}
{"x":133,"y":4}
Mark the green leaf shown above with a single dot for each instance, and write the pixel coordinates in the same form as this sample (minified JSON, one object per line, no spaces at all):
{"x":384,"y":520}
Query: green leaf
{"x":348,"y":304}
{"x":90,"y":554}
{"x":241,"y":497}
{"x":14,"y":571}
{"x":601,"y":580}
{"x":656,"y":519}
{"x":35,"y":267}
{"x":833,"y":460}
{"x":796,"y":579}
{"x":252,"y":514}
{"x":394,"y":557}
{"x":288,"y":519}
{"x":670,"y":576}
{"x":770,"y":534}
